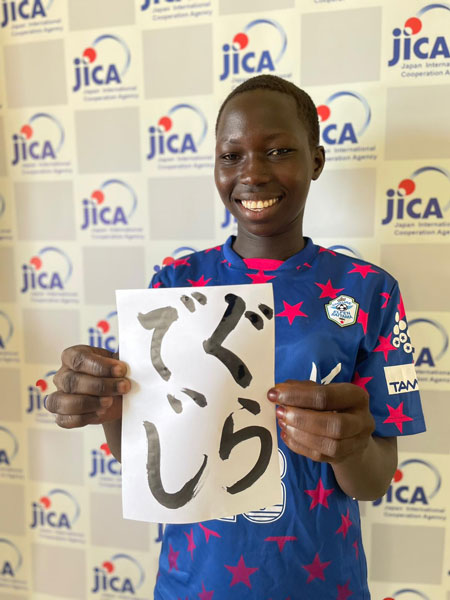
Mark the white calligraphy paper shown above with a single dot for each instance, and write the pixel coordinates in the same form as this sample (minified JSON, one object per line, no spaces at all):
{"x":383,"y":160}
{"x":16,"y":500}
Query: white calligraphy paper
{"x":198,"y":433}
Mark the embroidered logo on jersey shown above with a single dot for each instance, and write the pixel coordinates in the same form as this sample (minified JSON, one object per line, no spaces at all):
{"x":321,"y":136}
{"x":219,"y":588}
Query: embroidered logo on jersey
{"x":342,"y":311}
{"x":401,"y":379}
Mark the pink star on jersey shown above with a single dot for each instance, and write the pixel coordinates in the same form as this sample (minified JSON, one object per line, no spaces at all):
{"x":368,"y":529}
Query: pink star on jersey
{"x":344,"y":592}
{"x":345,"y":525}
{"x":386,"y":297}
{"x":401,"y":309}
{"x":362,"y":319}
{"x":291,"y":312}
{"x":218,"y":248}
{"x":191,"y":545}
{"x":281,"y":540}
{"x":241,"y":573}
{"x":307,"y":265}
{"x":397,"y":416}
{"x":328,"y":291}
{"x":208,"y":532}
{"x":385,"y":346}
{"x":355,"y":546}
{"x":319,"y":495}
{"x":260,"y":277}
{"x":322,"y":249}
{"x":363,"y":270}
{"x":361,"y":381}
{"x":316,"y":569}
{"x":181,"y":261}
{"x":200,"y":282}
{"x":205,"y":595}
{"x":157,"y":285}
{"x":173,"y":557}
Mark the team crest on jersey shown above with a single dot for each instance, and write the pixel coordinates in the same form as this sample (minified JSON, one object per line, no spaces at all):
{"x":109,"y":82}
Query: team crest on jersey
{"x":343,"y":310}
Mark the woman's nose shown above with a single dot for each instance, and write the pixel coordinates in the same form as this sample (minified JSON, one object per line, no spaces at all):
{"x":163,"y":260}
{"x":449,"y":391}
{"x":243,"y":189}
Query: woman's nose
{"x":255,"y":171}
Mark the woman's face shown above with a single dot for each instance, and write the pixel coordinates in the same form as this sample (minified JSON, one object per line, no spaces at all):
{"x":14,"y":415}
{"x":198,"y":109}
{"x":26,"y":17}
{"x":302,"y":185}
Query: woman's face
{"x":264,"y":162}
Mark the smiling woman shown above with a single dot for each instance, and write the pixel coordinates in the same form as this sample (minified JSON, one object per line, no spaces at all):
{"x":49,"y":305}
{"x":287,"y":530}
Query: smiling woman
{"x":335,"y":317}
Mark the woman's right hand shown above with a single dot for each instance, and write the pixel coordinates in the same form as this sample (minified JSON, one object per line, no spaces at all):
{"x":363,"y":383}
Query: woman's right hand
{"x":89,"y":387}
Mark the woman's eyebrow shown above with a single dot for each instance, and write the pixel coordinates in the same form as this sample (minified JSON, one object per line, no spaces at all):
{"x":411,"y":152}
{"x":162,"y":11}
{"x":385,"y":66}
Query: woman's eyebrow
{"x":267,"y":138}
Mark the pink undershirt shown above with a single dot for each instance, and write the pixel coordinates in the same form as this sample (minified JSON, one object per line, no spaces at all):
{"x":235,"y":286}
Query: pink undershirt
{"x":262,"y":264}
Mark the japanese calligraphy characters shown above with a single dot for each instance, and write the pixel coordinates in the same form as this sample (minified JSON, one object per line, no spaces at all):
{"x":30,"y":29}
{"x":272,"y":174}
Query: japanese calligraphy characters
{"x":195,"y":445}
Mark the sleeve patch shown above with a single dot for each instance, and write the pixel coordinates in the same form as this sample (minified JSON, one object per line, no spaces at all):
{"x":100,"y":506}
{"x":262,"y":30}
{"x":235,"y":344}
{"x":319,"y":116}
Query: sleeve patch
{"x":401,"y":379}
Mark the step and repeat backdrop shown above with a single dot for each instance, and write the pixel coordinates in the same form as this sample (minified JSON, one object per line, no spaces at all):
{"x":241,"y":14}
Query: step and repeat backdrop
{"x":107,"y":111}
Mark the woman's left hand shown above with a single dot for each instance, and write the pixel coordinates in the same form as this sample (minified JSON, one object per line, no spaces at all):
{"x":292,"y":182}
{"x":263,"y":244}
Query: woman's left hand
{"x":327,"y":423}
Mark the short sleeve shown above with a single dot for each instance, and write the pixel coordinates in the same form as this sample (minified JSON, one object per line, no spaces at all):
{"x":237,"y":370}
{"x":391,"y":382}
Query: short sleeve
{"x":386,"y":368}
{"x":160,"y":280}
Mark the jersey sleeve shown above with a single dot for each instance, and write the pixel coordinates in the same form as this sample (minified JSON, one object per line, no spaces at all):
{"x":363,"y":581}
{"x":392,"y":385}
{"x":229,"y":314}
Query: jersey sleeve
{"x":160,"y":280}
{"x":386,"y":369}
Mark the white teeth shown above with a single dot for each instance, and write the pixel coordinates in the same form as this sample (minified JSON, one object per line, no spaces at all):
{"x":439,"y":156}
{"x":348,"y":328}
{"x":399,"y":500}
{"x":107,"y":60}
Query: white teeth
{"x":258,"y":205}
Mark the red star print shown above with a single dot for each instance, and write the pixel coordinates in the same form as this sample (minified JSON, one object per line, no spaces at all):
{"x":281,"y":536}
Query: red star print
{"x":345,"y":525}
{"x":208,"y":532}
{"x":322,"y":249}
{"x":385,"y":346}
{"x":181,"y":261}
{"x":307,"y":265}
{"x":386,"y":297}
{"x":260,"y":277}
{"x":316,"y":569}
{"x":397,"y":417}
{"x":281,"y":540}
{"x":355,"y":546}
{"x":200,"y":282}
{"x":362,"y":319}
{"x":173,"y":557}
{"x":157,"y":285}
{"x":241,"y":573}
{"x":363,"y":270}
{"x":204,"y":595}
{"x":291,"y":312}
{"x":191,"y":545}
{"x":218,"y":248}
{"x":344,"y":592}
{"x":361,"y":381}
{"x":319,"y":495}
{"x":401,"y":308}
{"x":328,"y":291}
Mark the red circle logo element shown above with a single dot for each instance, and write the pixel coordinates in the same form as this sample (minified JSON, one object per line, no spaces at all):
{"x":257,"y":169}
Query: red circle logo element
{"x":36,"y":262}
{"x":42,"y":384}
{"x":407,"y":185}
{"x":27,"y":131}
{"x":104,"y":326}
{"x":90,"y":54}
{"x":323,"y":112}
{"x":241,"y":39}
{"x":98,"y":196}
{"x":165,"y":123}
{"x":414,"y":24}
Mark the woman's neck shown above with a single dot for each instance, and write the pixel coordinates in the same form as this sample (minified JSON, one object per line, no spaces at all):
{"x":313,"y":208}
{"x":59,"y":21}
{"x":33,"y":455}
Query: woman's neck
{"x":278,"y":247}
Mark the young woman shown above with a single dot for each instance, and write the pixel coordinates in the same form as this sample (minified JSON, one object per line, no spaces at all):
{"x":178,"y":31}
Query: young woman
{"x":342,"y":346}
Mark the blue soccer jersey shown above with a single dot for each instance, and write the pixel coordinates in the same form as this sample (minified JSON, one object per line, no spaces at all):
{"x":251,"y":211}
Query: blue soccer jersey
{"x":338,"y":319}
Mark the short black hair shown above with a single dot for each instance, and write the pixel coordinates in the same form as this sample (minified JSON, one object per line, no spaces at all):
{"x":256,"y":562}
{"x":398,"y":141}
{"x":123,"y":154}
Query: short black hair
{"x":306,"y":108}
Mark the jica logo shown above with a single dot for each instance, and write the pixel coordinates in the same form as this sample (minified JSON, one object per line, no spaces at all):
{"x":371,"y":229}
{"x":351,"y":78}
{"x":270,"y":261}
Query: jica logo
{"x":113,"y":203}
{"x":405,"y":202}
{"x":435,"y":341}
{"x":50,"y":269}
{"x":9,"y":446}
{"x":415,"y":482}
{"x":175,"y":258}
{"x":344,"y":130}
{"x":175,"y":131}
{"x":406,"y":46}
{"x":57,"y":510}
{"x":101,"y":336}
{"x":247,"y":54}
{"x":100,"y":64}
{"x":407,"y":594}
{"x":6,"y":330}
{"x":18,"y":10}
{"x":38,"y":392}
{"x":10,"y":559}
{"x":104,"y":463}
{"x":40,"y":139}
{"x":148,"y":3}
{"x":121,"y":574}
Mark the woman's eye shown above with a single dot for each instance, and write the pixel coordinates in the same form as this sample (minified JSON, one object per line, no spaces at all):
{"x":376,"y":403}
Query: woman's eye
{"x":279,"y":151}
{"x":229,"y":156}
